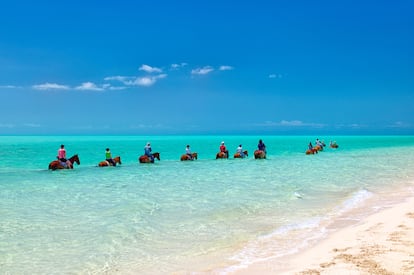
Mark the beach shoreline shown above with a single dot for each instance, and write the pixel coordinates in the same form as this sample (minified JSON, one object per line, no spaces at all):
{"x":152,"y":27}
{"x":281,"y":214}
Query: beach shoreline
{"x":380,"y":243}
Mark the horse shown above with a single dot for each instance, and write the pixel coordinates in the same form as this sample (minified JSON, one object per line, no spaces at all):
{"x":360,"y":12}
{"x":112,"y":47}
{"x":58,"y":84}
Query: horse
{"x":259,"y":154}
{"x":334,"y":145}
{"x":57,"y":164}
{"x":107,"y":163}
{"x":146,"y":159}
{"x":318,"y":148}
{"x":311,"y":151}
{"x":237,"y":155}
{"x":187,"y":157}
{"x":222,"y":155}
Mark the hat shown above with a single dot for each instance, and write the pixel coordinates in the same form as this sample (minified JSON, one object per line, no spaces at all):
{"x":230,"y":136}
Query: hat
{"x":148,"y":144}
{"x":222,"y":142}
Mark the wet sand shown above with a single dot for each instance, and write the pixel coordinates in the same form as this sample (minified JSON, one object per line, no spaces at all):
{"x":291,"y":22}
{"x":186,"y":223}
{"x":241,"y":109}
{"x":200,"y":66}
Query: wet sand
{"x":382,"y":243}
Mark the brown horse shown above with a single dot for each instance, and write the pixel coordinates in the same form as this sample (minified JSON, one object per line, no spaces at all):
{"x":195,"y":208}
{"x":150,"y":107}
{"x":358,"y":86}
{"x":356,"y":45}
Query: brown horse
{"x":318,"y":148}
{"x":259,"y":154}
{"x":104,"y":163}
{"x":146,"y":159}
{"x":334,"y":145}
{"x":238,"y":156}
{"x":57,"y":164}
{"x":311,"y":151}
{"x":222,"y":155}
{"x":187,"y":157}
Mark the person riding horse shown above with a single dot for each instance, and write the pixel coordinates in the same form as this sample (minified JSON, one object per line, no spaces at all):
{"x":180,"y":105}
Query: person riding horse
{"x":147,"y":151}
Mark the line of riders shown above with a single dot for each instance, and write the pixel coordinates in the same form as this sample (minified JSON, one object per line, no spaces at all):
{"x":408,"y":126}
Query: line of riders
{"x":67,"y":163}
{"x":319,"y":145}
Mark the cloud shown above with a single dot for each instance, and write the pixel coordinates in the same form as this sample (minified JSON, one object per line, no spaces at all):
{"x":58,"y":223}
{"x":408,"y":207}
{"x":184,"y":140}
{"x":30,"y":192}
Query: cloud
{"x":149,"y":69}
{"x":202,"y":71}
{"x":399,"y":124}
{"x":8,"y":87}
{"x":291,"y":123}
{"x":150,"y":126}
{"x":148,"y":80}
{"x":50,"y":86}
{"x":135,"y":81}
{"x":176,"y":66}
{"x":226,"y":68}
{"x":89,"y":86}
{"x":118,"y":78}
{"x":275,"y":76}
{"x":117,"y":88}
{"x":32,"y":125}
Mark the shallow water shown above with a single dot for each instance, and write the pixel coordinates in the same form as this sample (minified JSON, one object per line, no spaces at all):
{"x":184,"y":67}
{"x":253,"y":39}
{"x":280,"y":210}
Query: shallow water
{"x":174,"y":216}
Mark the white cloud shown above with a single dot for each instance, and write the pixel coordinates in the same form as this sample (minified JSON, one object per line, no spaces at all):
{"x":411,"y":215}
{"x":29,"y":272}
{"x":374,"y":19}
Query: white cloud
{"x":8,"y":87}
{"x":117,"y":88}
{"x":202,"y":71}
{"x":149,"y":126}
{"x":50,"y":86}
{"x":226,"y":68}
{"x":399,"y":124}
{"x":32,"y":125}
{"x":148,"y":80}
{"x":126,"y":80}
{"x":275,"y":76}
{"x":89,"y":86}
{"x":149,"y":69}
{"x":176,"y":66}
{"x":133,"y":81}
{"x":117,"y":78}
{"x":291,"y":123}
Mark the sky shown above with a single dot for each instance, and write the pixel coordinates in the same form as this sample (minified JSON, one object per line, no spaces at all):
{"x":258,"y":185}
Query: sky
{"x":206,"y":67}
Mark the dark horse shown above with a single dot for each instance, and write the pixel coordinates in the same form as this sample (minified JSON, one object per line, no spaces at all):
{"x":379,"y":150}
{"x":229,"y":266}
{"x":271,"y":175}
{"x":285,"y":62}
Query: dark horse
{"x":146,"y":159}
{"x":57,"y":164}
{"x":107,"y":163}
{"x":238,"y":156}
{"x":187,"y":157}
{"x":259,"y":154}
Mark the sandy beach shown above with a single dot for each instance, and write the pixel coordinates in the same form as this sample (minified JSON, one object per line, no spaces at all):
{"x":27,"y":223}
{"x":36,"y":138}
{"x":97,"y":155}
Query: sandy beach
{"x":382,"y":243}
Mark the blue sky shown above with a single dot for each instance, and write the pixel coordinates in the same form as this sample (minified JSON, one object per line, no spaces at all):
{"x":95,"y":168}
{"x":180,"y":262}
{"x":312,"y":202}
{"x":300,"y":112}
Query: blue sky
{"x":206,"y":67}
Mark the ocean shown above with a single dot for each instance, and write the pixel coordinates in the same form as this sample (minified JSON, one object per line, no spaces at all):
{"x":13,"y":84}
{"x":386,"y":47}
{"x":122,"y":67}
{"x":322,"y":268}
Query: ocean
{"x":186,"y":217}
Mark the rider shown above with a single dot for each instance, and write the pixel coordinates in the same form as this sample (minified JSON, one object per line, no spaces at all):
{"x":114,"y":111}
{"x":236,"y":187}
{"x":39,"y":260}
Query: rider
{"x":108,"y":157}
{"x":318,"y":142}
{"x":147,"y":151}
{"x":188,"y":152}
{"x":224,"y":149}
{"x":261,"y":146}
{"x":240,"y":151}
{"x":62,"y":156}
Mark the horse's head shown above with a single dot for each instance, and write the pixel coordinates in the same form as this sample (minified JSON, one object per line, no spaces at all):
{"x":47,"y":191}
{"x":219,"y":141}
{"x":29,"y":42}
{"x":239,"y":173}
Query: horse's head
{"x":156,"y":155}
{"x":195,"y":155}
{"x":117,"y":159}
{"x":74,"y":159}
{"x":246,"y":153}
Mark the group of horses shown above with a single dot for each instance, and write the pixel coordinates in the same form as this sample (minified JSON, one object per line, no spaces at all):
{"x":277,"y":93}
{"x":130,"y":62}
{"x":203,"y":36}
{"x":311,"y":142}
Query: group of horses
{"x":57,"y":164}
{"x":318,"y":148}
{"x":258,"y":154}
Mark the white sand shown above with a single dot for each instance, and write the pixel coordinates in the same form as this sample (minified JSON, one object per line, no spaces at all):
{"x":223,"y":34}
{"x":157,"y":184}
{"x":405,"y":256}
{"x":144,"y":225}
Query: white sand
{"x":382,"y":243}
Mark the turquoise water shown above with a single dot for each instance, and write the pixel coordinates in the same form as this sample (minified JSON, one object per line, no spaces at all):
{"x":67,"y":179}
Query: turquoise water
{"x":174,"y":216}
